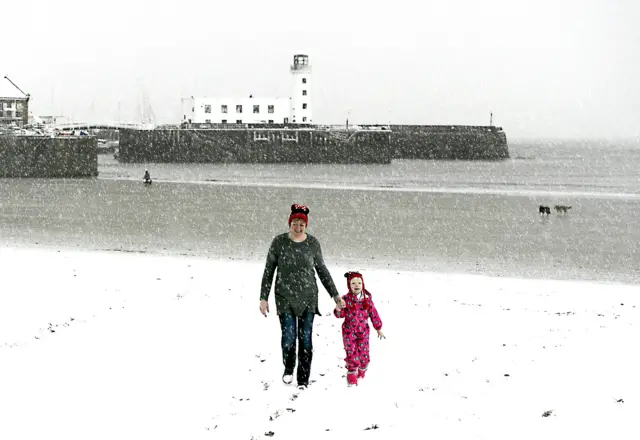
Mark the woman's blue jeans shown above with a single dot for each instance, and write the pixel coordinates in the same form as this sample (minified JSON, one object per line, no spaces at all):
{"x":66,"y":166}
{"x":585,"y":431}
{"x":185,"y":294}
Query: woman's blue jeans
{"x":302,"y":327}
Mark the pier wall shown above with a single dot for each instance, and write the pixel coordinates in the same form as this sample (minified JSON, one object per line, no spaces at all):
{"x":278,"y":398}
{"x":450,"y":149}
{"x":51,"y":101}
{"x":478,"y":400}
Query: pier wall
{"x":449,"y":142}
{"x":318,"y":145}
{"x":43,"y":156}
{"x":253,"y":146}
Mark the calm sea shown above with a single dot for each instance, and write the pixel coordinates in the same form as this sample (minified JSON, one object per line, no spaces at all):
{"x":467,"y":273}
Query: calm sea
{"x":474,"y":217}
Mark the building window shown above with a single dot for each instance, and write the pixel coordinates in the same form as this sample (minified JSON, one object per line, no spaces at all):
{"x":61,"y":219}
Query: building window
{"x":223,"y":108}
{"x":207,"y":121}
{"x":224,"y":121}
{"x":304,"y":106}
{"x":1,"y":112}
{"x":256,"y":109}
{"x":238,"y":121}
{"x":304,"y":119}
{"x":238,"y":108}
{"x":270,"y":109}
{"x":9,"y":114}
{"x":270,"y":121}
{"x":304,"y":93}
{"x":207,"y":108}
{"x":19,"y":106}
{"x":18,"y":114}
{"x":304,"y":80}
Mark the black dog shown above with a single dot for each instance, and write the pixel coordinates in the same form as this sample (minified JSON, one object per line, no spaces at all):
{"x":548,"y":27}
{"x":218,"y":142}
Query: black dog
{"x":544,"y":210}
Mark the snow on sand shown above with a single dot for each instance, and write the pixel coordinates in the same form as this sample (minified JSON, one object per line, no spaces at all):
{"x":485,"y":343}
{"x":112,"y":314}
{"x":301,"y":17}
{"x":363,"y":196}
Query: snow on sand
{"x":130,"y":346}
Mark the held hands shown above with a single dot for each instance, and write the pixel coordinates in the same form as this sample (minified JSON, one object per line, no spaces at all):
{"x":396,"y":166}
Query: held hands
{"x":264,"y":307}
{"x":381,"y":335}
{"x":340,"y":304}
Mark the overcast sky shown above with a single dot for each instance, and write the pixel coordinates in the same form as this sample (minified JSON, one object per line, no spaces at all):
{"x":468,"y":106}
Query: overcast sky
{"x":546,"y":68}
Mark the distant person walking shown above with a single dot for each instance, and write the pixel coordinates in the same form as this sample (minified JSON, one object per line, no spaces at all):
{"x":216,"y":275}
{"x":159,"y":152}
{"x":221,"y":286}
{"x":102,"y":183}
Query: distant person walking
{"x":297,"y":256}
{"x":147,"y":177}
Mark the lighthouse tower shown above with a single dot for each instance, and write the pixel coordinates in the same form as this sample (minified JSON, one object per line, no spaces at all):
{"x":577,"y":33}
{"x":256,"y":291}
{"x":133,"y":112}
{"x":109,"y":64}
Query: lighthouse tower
{"x":301,"y":90}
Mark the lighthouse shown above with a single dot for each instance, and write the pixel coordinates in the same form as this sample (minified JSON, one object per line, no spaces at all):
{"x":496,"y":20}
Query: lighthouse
{"x":301,"y":90}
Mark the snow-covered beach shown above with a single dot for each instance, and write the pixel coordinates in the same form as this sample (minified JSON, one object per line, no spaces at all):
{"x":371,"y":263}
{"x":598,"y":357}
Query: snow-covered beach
{"x":125,"y":345}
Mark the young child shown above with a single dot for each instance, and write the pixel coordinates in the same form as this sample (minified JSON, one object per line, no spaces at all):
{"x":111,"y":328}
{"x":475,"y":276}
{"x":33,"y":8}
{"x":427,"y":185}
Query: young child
{"x":358,"y":309}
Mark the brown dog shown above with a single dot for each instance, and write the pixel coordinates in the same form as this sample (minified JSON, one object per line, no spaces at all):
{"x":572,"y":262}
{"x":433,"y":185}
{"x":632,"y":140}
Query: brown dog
{"x":562,"y":208}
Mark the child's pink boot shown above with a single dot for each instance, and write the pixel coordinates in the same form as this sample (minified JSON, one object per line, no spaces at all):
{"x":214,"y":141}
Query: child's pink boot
{"x":352,"y":378}
{"x":361,"y":373}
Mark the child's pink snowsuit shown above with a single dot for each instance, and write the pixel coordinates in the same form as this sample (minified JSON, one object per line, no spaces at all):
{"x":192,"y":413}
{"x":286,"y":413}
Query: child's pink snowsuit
{"x":355,"y":329}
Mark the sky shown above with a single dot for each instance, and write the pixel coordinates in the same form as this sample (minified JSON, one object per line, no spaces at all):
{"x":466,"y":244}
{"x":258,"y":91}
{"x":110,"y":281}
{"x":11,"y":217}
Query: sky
{"x":546,"y":69}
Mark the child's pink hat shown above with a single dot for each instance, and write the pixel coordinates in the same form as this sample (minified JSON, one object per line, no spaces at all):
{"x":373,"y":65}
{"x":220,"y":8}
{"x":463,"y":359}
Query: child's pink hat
{"x":351,"y":275}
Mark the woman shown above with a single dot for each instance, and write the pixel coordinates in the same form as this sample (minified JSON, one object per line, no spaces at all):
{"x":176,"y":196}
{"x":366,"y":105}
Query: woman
{"x":296,"y":254}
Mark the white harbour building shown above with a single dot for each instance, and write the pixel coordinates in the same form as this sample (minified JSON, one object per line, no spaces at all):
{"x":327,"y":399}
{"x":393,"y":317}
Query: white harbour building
{"x":295,"y":109}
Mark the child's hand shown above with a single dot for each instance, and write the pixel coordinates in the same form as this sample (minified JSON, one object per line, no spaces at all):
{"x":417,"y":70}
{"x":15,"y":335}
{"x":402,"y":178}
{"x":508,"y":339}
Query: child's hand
{"x":381,"y":335}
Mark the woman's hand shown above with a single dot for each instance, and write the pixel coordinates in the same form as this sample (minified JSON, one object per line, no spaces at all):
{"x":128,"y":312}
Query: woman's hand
{"x":264,"y":307}
{"x":340,"y":303}
{"x":381,"y":335}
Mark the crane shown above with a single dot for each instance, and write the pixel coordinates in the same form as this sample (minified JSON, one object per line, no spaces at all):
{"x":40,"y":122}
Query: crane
{"x":14,"y":85}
